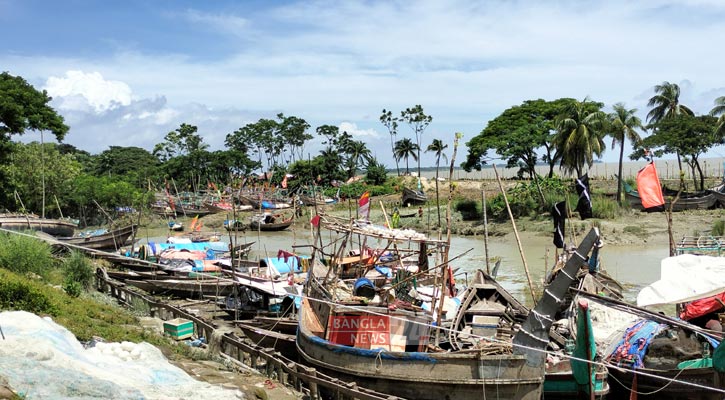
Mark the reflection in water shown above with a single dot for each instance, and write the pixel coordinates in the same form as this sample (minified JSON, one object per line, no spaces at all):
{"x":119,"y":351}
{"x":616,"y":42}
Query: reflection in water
{"x":633,"y":266}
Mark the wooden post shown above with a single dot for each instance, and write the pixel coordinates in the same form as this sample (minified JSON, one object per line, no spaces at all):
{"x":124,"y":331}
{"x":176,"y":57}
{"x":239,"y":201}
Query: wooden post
{"x":485,"y":230}
{"x":516,"y":233}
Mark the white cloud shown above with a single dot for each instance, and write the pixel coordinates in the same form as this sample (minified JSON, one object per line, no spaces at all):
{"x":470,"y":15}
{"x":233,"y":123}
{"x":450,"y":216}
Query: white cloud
{"x":353,"y":130}
{"x":77,"y":86}
{"x":328,"y":62}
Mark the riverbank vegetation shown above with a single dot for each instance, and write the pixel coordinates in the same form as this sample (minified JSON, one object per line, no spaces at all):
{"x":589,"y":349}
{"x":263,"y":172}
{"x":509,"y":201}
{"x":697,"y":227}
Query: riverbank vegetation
{"x":270,"y":153}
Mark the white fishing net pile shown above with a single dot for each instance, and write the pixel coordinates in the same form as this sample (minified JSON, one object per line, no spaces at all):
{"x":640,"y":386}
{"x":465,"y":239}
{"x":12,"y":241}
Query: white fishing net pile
{"x":43,"y":360}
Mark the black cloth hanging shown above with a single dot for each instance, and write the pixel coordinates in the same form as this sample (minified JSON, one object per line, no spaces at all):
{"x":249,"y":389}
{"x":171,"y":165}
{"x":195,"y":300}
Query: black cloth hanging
{"x":558,"y":211}
{"x":584,"y":205}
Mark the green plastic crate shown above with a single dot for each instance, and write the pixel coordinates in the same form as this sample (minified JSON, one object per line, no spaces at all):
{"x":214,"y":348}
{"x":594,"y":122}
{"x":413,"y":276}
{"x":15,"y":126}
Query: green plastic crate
{"x":179,"y":328}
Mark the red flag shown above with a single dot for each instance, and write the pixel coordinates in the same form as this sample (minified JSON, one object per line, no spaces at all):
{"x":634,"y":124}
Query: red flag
{"x":364,"y":205}
{"x":650,"y":191}
{"x":315,"y":221}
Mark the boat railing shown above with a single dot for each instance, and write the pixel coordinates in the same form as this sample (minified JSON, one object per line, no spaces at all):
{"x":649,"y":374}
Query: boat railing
{"x":702,"y":244}
{"x":242,"y":353}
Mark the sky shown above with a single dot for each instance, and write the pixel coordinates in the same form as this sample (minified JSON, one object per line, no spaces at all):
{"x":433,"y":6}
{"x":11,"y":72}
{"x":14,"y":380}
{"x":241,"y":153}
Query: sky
{"x":125,"y":73}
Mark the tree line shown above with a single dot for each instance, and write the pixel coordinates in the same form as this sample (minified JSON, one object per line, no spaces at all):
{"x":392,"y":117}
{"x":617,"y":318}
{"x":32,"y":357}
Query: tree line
{"x":571,"y":134}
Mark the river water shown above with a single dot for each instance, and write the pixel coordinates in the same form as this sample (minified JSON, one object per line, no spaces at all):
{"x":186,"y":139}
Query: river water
{"x":633,"y":266}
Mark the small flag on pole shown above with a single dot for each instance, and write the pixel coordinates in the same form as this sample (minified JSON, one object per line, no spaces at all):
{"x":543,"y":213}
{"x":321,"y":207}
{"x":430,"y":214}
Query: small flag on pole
{"x":364,"y":206}
{"x":584,"y":205}
{"x":559,"y":214}
{"x":315,"y":221}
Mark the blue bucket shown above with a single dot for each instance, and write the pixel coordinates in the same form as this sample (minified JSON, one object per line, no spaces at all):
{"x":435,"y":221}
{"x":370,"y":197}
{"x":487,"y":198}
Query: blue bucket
{"x":364,"y":287}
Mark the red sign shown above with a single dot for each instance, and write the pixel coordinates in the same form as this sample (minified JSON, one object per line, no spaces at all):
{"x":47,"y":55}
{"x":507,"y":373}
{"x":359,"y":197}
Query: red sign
{"x":363,"y":331}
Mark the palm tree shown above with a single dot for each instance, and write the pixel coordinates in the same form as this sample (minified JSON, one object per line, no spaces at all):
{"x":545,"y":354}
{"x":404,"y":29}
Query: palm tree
{"x":666,"y":104}
{"x":622,"y":125}
{"x":357,"y":151}
{"x":719,"y":110}
{"x":579,"y":136}
{"x":437,"y":147}
{"x":405,"y":148}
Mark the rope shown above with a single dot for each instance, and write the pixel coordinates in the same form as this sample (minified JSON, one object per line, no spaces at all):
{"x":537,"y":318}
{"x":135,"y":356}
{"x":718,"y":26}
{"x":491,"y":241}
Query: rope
{"x":652,"y":392}
{"x":491,"y":339}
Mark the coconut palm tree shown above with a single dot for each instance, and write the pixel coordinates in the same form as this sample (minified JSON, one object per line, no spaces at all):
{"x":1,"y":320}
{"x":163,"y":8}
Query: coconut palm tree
{"x":357,"y":151}
{"x":622,"y":125}
{"x":437,"y":147}
{"x":666,"y":104}
{"x":405,"y":148}
{"x":719,"y":111}
{"x":580,"y":133}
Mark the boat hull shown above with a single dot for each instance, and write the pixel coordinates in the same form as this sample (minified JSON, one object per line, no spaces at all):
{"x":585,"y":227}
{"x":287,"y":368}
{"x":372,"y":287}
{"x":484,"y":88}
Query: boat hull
{"x":114,"y":239}
{"x":661,"y":389}
{"x":426,"y":376}
{"x":54,"y":227}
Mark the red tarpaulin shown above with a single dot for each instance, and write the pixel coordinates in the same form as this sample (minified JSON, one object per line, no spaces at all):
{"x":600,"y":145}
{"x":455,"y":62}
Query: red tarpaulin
{"x":702,"y":307}
{"x":648,"y":186}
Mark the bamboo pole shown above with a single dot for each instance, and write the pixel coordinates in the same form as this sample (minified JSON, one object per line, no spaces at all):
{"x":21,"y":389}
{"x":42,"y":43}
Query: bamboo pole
{"x":516,"y":233}
{"x":485,"y":230}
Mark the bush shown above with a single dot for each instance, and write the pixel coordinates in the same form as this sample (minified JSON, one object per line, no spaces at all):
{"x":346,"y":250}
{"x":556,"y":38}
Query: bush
{"x":22,"y":254}
{"x":718,"y":228}
{"x":469,"y":210}
{"x":78,"y":269}
{"x":18,"y":295}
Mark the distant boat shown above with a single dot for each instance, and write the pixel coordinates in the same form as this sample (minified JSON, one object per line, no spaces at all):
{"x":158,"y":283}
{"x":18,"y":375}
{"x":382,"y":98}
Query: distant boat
{"x":21,"y":222}
{"x":101,"y":239}
{"x":271,"y":222}
{"x":412,"y":196}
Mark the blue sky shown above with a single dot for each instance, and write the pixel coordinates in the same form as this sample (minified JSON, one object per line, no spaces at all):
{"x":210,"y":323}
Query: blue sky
{"x":127,"y":72}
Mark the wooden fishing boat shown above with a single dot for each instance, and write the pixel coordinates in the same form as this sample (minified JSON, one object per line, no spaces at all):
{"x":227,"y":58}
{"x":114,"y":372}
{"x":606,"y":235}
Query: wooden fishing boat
{"x":235,"y":225}
{"x":412,"y":196}
{"x":719,"y":193}
{"x":663,"y":371}
{"x":102,"y":239}
{"x":21,"y":222}
{"x":389,"y":346}
{"x":687,"y":201}
{"x":270,"y":222}
{"x":265,"y":203}
{"x":281,"y":342}
{"x":190,"y":287}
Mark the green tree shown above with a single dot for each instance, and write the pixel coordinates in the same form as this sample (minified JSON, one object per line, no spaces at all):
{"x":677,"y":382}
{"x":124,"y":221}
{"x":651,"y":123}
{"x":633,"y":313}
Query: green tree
{"x":623,"y":125}
{"x":22,"y":108}
{"x":376,"y":173}
{"x":517,"y":135}
{"x":182,"y":141}
{"x":666,"y":104}
{"x":390,"y":122}
{"x":292,"y":132}
{"x":134,"y":164}
{"x":687,"y":135}
{"x":358,"y":155}
{"x":719,"y":111}
{"x":25,"y":176}
{"x":437,"y":147}
{"x":418,"y":121}
{"x":405,"y":148}
{"x":579,"y":136}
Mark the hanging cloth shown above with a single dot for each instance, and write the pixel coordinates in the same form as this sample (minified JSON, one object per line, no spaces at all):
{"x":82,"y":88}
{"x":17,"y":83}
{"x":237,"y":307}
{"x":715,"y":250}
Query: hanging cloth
{"x":650,"y":191}
{"x":584,"y":205}
{"x":558,"y":212}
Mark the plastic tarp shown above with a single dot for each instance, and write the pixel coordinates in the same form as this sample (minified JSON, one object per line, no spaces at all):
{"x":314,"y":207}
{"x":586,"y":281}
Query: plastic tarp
{"x":684,"y":278}
{"x":43,"y":360}
{"x":702,"y":307}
